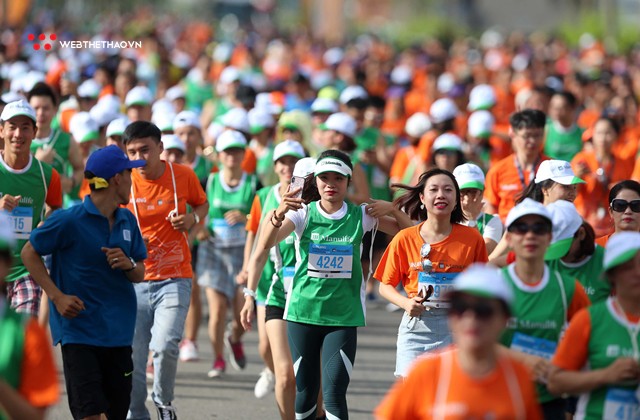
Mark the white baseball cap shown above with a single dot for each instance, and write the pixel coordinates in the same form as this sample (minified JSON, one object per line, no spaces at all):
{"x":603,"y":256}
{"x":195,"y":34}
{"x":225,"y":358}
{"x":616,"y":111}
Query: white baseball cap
{"x":9,"y":97}
{"x":481,"y":124}
{"x":481,"y":97}
{"x":117,"y":126}
{"x":236,"y":119}
{"x":288,"y":148}
{"x":445,"y":83}
{"x":18,"y":108}
{"x":401,"y":75}
{"x":525,"y":208}
{"x":620,"y":248}
{"x":417,"y":124}
{"x":484,"y":280}
{"x":186,"y":119}
{"x":171,"y":141}
{"x":260,"y":119}
{"x":103,"y":112}
{"x":83,"y":127}
{"x":353,"y":92}
{"x":230,"y":139}
{"x":332,"y":164}
{"x":442,"y":110}
{"x":89,"y":89}
{"x":163,"y":119}
{"x":566,"y":221}
{"x":229,"y":75}
{"x":342,"y":123}
{"x":214,"y":130}
{"x":333,"y":56}
{"x":304,"y":167}
{"x":139,"y":95}
{"x":7,"y":236}
{"x":324,"y":105}
{"x":558,"y":171}
{"x":175,"y":92}
{"x":447,"y":141}
{"x":469,"y":175}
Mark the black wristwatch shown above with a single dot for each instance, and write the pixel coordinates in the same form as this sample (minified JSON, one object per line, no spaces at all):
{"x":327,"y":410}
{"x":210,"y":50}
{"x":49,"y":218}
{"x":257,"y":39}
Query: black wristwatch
{"x":133,"y":265}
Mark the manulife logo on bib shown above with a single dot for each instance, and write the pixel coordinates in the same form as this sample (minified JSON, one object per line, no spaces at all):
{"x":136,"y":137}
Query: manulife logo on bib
{"x":316,"y":237}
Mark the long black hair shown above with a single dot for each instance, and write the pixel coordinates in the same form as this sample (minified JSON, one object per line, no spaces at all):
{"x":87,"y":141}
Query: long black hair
{"x":534,"y":191}
{"x":627,"y":184}
{"x":410,"y":202}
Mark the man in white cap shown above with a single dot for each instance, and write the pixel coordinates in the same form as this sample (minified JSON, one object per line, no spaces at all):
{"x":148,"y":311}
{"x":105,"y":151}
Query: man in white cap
{"x":52,"y":145}
{"x":29,"y":190}
{"x":97,"y":252}
{"x":138,"y":102}
{"x":161,"y":192}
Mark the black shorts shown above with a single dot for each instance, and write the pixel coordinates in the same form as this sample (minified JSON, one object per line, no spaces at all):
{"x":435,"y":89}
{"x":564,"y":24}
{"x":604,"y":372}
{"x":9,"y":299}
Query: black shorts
{"x":380,"y":244}
{"x":194,"y":257}
{"x":98,"y":380}
{"x":273,"y":312}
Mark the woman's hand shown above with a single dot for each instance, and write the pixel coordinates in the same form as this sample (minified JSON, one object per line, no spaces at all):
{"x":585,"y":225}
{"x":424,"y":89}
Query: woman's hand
{"x":623,"y":369}
{"x":379,"y":208}
{"x":246,"y":313}
{"x":414,"y":306}
{"x":539,"y":367}
{"x":289,"y":202}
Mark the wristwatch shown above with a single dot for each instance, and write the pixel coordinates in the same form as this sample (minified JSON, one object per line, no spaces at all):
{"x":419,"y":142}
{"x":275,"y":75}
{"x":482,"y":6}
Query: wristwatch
{"x":133,"y":265}
{"x":248,"y":292}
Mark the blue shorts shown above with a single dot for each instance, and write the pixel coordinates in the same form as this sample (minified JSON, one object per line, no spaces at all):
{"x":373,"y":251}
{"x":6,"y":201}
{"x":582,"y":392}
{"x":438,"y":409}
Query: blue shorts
{"x":420,"y":335}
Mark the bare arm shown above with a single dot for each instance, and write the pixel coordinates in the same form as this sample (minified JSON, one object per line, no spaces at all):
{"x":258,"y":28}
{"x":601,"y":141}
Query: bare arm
{"x":75,"y":158}
{"x":241,"y":278}
{"x":413,"y":306}
{"x":68,"y":306}
{"x":255,"y":266}
{"x":16,"y":406}
{"x":360,"y":187}
{"x":276,"y":228}
{"x":577,"y":382}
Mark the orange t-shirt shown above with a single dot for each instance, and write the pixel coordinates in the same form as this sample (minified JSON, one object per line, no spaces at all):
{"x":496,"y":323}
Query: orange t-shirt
{"x":249,"y":163}
{"x":592,"y":199}
{"x":38,"y":378}
{"x":438,"y":382}
{"x":504,"y":183}
{"x":54,"y":191}
{"x":254,"y":217}
{"x":602,"y":241}
{"x":587,"y":118}
{"x":153,"y":200}
{"x":401,"y":163}
{"x":401,"y":261}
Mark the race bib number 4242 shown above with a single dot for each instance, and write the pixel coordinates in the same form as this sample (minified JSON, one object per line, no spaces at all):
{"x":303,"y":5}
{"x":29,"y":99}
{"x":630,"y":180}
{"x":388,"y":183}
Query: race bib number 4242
{"x":330,"y":261}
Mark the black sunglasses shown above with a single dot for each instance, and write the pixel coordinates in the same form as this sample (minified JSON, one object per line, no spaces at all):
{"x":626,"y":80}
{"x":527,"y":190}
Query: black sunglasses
{"x":427,"y":265}
{"x":522,"y":228}
{"x":619,"y":205}
{"x":482,"y":310}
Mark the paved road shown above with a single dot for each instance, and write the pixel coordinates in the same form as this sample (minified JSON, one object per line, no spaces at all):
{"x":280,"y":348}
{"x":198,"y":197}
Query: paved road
{"x":231,"y":397}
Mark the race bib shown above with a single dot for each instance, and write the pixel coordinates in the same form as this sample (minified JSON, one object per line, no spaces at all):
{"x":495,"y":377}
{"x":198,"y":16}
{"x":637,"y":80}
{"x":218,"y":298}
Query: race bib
{"x":22,"y":222}
{"x":533,"y":345}
{"x":227,"y":235}
{"x":379,"y":179}
{"x":441,"y":283}
{"x":287,"y":277}
{"x":621,"y":404}
{"x":330,"y":261}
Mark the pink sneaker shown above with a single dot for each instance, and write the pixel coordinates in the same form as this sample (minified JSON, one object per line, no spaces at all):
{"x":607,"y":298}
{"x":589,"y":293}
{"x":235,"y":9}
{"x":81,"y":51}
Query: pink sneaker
{"x":236,"y":353}
{"x":219,"y":366}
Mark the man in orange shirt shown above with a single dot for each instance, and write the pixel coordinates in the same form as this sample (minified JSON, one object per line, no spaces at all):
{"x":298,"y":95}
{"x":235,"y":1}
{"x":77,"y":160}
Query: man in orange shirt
{"x":28,"y":377}
{"x":159,"y":197}
{"x":510,"y":176}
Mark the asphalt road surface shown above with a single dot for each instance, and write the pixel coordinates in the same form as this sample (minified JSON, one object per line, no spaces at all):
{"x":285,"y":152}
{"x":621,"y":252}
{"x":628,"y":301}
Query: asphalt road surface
{"x":231,"y":397}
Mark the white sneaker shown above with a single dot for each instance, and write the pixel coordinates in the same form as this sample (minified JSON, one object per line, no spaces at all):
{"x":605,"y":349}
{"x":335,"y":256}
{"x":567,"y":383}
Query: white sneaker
{"x":188,"y":351}
{"x":266,"y":383}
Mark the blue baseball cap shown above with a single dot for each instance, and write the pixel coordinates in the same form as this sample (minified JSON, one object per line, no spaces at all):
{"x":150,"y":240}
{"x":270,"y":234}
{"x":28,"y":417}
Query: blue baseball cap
{"x":108,"y":161}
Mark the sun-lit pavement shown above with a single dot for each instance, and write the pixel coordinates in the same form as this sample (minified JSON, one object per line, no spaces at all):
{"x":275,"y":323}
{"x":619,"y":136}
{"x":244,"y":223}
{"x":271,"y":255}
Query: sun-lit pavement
{"x":231,"y":397}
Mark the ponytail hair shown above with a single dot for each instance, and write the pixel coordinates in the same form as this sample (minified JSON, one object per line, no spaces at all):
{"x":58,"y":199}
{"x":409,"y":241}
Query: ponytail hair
{"x":410,"y":202}
{"x":534,"y":191}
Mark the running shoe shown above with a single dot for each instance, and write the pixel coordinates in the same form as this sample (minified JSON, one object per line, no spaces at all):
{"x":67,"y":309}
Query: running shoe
{"x":166,"y":412}
{"x":236,"y":353}
{"x":188,"y":351}
{"x":219,"y":366}
{"x":266,"y":383}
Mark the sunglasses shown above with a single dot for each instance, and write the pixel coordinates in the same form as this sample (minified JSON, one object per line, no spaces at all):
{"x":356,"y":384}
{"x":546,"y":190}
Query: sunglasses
{"x":619,"y":205}
{"x":523,"y":228}
{"x":482,"y":310}
{"x":427,"y":265}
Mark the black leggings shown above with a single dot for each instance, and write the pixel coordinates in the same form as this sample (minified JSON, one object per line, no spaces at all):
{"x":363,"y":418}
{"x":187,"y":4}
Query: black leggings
{"x":336,"y":347}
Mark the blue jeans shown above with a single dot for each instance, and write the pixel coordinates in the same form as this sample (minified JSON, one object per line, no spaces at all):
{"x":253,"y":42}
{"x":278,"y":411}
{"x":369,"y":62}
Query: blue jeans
{"x":162,"y":310}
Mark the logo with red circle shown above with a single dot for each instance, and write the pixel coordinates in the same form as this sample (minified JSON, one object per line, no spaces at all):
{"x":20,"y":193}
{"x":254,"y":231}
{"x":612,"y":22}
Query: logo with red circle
{"x":41,"y":40}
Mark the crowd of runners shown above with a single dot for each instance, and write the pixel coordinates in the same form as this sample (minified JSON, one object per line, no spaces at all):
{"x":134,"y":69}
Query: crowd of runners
{"x":487,"y":188}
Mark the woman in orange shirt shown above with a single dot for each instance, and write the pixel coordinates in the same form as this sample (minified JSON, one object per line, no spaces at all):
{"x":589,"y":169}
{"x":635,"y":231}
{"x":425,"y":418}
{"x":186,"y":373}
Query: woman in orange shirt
{"x":624,"y":209}
{"x":425,"y":259}
{"x":600,"y":167}
{"x":473,"y":379}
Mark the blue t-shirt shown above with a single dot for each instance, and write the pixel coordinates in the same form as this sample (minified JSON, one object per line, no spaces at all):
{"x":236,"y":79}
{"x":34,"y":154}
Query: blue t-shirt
{"x":74,"y":238}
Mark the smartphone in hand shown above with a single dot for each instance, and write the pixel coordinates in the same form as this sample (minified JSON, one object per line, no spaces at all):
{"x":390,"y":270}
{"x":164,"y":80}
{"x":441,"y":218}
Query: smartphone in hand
{"x":297,"y":182}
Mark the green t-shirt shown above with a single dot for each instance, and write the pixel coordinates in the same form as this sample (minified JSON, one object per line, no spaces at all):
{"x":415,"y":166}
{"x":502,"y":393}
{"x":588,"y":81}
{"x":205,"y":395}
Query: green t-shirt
{"x":222,"y":199}
{"x":32,"y":183}
{"x":327,"y":284}
{"x":588,"y":272}
{"x":59,"y":141}
{"x":12,"y":335}
{"x":539,"y":316}
{"x":269,"y":200}
{"x":562,"y":145}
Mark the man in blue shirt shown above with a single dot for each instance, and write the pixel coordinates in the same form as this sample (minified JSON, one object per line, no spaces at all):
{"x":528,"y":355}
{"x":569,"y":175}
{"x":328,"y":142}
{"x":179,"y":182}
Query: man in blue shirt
{"x":97,"y":252}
